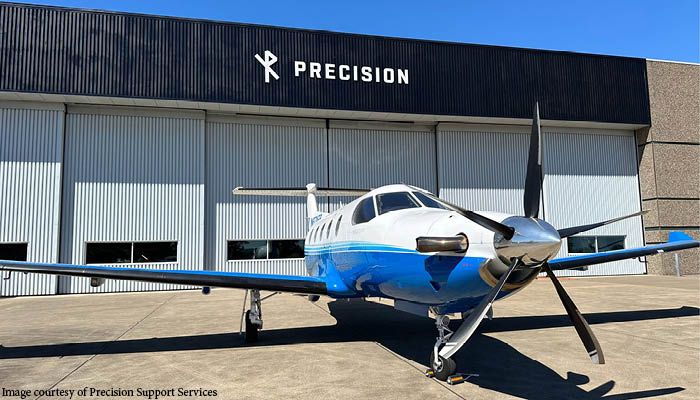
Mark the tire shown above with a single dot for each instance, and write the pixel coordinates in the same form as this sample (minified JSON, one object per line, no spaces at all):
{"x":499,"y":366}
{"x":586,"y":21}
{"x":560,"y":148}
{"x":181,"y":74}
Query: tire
{"x":251,"y":330}
{"x":446,"y":368}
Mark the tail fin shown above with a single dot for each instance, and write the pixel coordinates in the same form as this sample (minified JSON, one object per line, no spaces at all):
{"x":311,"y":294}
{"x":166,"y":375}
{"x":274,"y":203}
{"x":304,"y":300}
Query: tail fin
{"x":677,"y":236}
{"x":310,"y":191}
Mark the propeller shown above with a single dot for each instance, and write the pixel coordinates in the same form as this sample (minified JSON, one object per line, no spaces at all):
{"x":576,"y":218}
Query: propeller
{"x":527,"y":242}
{"x":566,"y":232}
{"x":582,"y":328}
{"x":533,"y":177}
{"x":494,"y":226}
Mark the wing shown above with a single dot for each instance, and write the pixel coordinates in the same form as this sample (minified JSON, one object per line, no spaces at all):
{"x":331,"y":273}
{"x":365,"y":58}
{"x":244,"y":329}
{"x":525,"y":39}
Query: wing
{"x":277,"y":283}
{"x":676,"y":241}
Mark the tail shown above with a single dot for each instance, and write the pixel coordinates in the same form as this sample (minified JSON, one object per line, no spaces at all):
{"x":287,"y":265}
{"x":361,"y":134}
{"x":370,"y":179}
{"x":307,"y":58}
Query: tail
{"x":310,"y":191}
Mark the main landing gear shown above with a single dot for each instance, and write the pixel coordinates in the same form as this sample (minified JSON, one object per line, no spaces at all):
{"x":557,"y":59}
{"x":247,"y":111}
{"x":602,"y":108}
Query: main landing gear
{"x":253,"y":316}
{"x":440,"y":367}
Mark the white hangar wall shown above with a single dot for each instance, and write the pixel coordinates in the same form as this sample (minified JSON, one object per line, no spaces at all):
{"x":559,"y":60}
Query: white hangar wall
{"x":148,"y":174}
{"x":259,"y":152}
{"x":132,"y":175}
{"x":365,"y":155}
{"x":31,"y":152}
{"x":590,"y":176}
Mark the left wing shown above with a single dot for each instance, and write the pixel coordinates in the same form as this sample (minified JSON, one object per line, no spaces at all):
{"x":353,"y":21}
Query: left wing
{"x":277,"y":283}
{"x":676,"y":241}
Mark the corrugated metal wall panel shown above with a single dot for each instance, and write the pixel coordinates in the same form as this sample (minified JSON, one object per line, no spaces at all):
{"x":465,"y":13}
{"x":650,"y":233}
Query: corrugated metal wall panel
{"x":259,"y":154}
{"x":372,"y":156}
{"x":81,"y":52}
{"x":482,"y":170}
{"x":31,"y":143}
{"x":132,"y":178}
{"x":590,"y":176}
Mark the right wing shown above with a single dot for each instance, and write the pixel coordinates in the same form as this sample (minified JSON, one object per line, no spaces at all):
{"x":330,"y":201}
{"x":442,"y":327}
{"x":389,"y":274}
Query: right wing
{"x":676,"y":241}
{"x":276,"y":283}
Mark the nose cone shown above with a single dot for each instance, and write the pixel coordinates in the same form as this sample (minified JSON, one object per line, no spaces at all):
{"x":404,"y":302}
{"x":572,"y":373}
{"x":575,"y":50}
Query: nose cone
{"x":535,"y":241}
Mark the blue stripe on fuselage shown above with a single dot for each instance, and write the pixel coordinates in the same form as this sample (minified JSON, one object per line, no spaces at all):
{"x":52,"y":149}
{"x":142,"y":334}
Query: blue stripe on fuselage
{"x":373,"y":269}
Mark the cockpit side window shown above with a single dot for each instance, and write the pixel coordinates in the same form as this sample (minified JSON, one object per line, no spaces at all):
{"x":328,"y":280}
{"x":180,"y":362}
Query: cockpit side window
{"x":387,"y":202}
{"x":429,"y":201}
{"x":364,"y":211}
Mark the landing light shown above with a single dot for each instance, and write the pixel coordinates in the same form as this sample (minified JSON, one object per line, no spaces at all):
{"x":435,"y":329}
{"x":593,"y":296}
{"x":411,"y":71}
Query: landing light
{"x":431,"y":244}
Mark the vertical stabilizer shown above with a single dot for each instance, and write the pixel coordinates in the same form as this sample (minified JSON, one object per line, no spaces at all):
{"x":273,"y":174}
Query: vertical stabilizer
{"x":311,"y":204}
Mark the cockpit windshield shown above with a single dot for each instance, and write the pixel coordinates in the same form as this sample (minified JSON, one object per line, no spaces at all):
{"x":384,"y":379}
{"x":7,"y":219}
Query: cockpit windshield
{"x":387,"y":202}
{"x":430,"y":201}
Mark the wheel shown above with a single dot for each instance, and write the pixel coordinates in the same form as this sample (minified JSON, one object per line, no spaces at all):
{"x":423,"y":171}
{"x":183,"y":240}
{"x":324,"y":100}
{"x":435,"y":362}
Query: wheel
{"x":251,"y":330}
{"x":446,"y":367}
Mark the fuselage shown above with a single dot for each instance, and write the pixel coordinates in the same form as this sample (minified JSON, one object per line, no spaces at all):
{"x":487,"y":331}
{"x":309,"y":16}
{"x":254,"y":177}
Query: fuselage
{"x":368,"y":248}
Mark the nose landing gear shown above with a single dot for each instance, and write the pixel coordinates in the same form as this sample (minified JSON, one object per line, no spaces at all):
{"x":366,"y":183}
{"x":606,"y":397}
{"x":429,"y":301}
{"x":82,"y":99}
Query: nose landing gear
{"x":440,"y":367}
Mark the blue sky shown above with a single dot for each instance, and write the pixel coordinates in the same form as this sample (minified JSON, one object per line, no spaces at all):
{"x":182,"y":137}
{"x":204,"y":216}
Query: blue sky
{"x":658,"y":29}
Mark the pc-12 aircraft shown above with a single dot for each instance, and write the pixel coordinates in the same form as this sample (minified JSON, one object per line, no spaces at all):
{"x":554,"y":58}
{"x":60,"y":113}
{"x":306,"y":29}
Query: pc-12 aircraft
{"x":404,"y":243}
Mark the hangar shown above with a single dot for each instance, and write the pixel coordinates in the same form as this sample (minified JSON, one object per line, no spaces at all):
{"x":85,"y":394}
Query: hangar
{"x":122,"y":135}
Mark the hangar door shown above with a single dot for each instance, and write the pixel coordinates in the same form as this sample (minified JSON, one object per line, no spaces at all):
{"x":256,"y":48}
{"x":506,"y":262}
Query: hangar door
{"x":260,"y":234}
{"x":590,"y":176}
{"x":133,"y":192}
{"x":369,"y":155}
{"x":31,"y":148}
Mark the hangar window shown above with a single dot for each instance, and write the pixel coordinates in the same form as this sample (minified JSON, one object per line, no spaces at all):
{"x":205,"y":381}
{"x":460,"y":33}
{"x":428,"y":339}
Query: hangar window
{"x":13,"y":251}
{"x":152,"y":252}
{"x":595,"y":244}
{"x":265,"y":249}
{"x":130,"y":252}
{"x":108,"y":253}
{"x":364,"y":211}
{"x":247,"y":249}
{"x":388,"y":202}
{"x":286,"y":249}
{"x":429,"y":201}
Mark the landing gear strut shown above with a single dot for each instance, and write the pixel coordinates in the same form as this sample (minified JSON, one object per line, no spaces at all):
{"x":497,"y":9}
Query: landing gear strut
{"x":440,"y":367}
{"x":253,"y":316}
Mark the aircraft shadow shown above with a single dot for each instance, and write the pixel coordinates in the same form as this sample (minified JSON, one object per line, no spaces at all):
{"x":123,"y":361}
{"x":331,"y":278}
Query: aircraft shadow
{"x":501,"y":367}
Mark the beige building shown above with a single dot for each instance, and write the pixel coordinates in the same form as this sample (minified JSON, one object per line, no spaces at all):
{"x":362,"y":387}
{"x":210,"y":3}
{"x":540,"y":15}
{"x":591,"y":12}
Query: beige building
{"x":669,"y":162}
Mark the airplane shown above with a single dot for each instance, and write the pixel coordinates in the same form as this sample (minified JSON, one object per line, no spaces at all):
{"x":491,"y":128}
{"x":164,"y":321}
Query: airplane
{"x":401,"y":242}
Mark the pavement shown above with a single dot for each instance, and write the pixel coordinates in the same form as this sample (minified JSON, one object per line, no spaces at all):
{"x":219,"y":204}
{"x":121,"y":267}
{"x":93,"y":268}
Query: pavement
{"x":648,"y":326}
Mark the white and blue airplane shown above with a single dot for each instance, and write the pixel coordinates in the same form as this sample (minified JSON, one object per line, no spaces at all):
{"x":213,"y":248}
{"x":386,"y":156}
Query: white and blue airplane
{"x":403,"y":243}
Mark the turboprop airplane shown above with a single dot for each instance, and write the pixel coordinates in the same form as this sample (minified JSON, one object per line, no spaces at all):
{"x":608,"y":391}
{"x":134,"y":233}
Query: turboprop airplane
{"x":404,"y":243}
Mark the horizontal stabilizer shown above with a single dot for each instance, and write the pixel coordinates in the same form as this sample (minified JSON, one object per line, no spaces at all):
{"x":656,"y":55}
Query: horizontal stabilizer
{"x":334,"y":192}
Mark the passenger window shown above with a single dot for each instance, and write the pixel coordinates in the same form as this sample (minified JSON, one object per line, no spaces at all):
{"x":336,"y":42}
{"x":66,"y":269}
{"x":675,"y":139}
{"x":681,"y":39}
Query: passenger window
{"x":328,"y":230}
{"x":364,"y":211}
{"x":337,"y":226}
{"x":429,"y":201}
{"x":394,"y":201}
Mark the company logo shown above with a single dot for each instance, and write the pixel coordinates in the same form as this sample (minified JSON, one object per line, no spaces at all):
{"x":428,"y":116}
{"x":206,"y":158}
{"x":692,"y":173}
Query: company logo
{"x":342,"y":72}
{"x":267,"y":63}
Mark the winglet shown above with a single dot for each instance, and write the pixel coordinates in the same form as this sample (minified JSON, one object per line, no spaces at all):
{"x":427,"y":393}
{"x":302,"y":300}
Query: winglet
{"x":677,"y":236}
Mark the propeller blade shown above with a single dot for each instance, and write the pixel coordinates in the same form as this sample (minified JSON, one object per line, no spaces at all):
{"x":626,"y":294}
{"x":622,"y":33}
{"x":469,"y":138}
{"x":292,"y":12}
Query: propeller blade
{"x":488,"y":223}
{"x":595,"y":352}
{"x":533,"y":177}
{"x":566,"y":232}
{"x":468,"y":327}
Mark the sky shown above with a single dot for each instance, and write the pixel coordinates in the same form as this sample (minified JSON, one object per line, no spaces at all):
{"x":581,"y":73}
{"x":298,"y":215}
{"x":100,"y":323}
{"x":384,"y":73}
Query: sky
{"x":656,"y":29}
